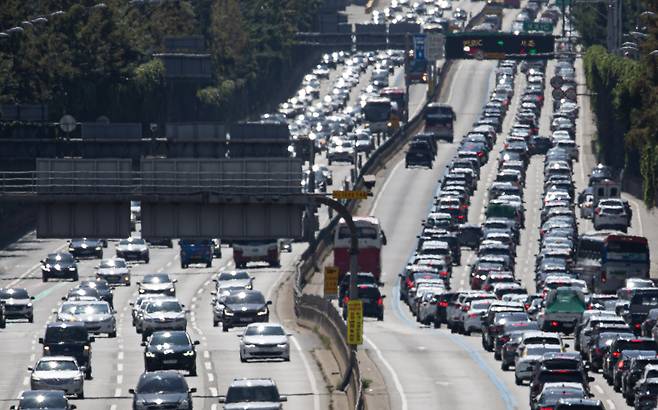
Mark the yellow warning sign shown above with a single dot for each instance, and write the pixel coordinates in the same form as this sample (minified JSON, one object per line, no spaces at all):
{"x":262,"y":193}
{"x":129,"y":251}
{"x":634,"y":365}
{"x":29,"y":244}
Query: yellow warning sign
{"x":355,"y":322}
{"x":350,"y":194}
{"x":331,"y":282}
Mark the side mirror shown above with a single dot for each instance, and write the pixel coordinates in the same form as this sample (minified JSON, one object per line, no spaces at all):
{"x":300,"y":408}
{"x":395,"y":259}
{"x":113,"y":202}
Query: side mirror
{"x":31,"y":297}
{"x":83,"y":369}
{"x":41,"y":340}
{"x":591,"y":379}
{"x":92,"y":339}
{"x":196,"y":343}
{"x":114,"y":311}
{"x":269,"y":302}
{"x":214,"y":293}
{"x":131,"y":391}
{"x":239,"y":336}
{"x":30,"y":368}
{"x":132,"y":303}
{"x":143,"y":343}
{"x":77,"y":260}
{"x":139,"y":283}
{"x":54,"y":311}
{"x":193,"y":390}
{"x":175,"y":281}
{"x":222,"y":399}
{"x":63,"y":297}
{"x":383,"y":296}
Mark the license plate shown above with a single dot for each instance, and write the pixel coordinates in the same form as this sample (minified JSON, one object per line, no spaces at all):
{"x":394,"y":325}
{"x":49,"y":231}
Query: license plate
{"x":245,"y":319}
{"x":366,"y":300}
{"x":170,"y":361}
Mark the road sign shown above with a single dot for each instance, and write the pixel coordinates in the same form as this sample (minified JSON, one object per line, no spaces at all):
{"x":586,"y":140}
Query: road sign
{"x":434,"y":46}
{"x":67,"y":123}
{"x":350,"y":194}
{"x":419,"y":46}
{"x":557,"y":81}
{"x":538,"y":26}
{"x":498,"y":46}
{"x":331,"y":282}
{"x":557,"y":94}
{"x":355,"y":322}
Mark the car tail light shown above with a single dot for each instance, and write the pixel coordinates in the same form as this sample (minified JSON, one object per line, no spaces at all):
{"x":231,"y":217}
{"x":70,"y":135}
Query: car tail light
{"x":460,"y":217}
{"x":526,"y":305}
{"x":638,"y":325}
{"x":443,"y":304}
{"x":620,"y":365}
{"x":473,"y":315}
{"x":466,"y":308}
{"x":504,"y":339}
{"x":546,"y":408}
{"x":597,"y":350}
{"x":380,"y":301}
{"x":604,"y":277}
{"x":589,"y":307}
{"x":554,"y":323}
{"x":597,"y":210}
{"x":480,"y":154}
{"x":345,"y":300}
{"x":444,"y":274}
{"x":409,"y":283}
{"x":616,"y":354}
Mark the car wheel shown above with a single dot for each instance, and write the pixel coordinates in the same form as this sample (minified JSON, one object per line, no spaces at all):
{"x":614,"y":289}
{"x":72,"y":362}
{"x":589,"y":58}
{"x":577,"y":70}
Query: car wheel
{"x":518,"y":381}
{"x":193,"y":371}
{"x":215,"y":323}
{"x":81,"y":395}
{"x":504,"y":366}
{"x":380,"y":318}
{"x":75,"y":277}
{"x":112,"y":335}
{"x":44,"y":278}
{"x":209,"y":264}
{"x":467,"y":332}
{"x":30,"y":319}
{"x":147,"y":260}
{"x":183,"y":266}
{"x":242,"y":359}
{"x":225,"y":328}
{"x":437,"y":324}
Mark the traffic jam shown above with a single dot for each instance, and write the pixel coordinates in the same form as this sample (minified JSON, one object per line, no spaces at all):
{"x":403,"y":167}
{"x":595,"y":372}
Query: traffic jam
{"x":592,"y":307}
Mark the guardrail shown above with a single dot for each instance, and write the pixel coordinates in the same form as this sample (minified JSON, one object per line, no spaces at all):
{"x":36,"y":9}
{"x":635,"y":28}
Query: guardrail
{"x":322,"y":312}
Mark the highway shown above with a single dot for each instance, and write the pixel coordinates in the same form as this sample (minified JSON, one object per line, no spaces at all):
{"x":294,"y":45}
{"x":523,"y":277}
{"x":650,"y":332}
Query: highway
{"x":422,"y":365}
{"x":117,"y":363}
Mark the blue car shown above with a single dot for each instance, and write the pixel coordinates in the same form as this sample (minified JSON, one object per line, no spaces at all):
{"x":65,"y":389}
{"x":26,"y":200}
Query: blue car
{"x":195,"y":251}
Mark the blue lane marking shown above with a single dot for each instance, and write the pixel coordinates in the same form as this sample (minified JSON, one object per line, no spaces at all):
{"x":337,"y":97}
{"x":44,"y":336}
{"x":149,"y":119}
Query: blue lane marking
{"x":48,"y":291}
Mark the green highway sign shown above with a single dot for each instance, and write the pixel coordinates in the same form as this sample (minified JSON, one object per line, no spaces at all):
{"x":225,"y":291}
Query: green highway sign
{"x":498,"y":46}
{"x":537,"y":26}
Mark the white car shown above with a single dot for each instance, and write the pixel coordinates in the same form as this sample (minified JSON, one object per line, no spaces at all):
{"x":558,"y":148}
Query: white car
{"x":610,"y":217}
{"x":97,"y":316}
{"x":264,"y":340}
{"x":472,"y":318}
{"x":115,"y":271}
{"x":256,"y":251}
{"x":158,"y":283}
{"x":163,"y":315}
{"x":18,"y":303}
{"x":587,"y":207}
{"x":58,"y":373}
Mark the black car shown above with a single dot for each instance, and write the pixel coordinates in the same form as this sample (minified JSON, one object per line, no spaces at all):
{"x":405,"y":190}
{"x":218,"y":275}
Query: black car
{"x":419,"y":154}
{"x":372,"y":299}
{"x":362,"y":278}
{"x":43,"y":399}
{"x":102,"y":287}
{"x":469,"y":235}
{"x":69,"y":339}
{"x":163,"y":389}
{"x":59,"y":265}
{"x":170,"y":350}
{"x":242,"y":308}
{"x":579,"y":404}
{"x":86,"y":248}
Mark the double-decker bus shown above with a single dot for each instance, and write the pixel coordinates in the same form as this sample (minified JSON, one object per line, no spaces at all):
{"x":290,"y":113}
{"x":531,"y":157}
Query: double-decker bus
{"x":439,"y":119}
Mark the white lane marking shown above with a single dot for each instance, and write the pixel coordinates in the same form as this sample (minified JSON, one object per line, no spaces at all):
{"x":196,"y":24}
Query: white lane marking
{"x":120,"y":355}
{"x":33,"y":357}
{"x":119,"y":367}
{"x":26,"y":381}
{"x":598,"y":389}
{"x":213,"y":391}
{"x":396,"y":379}
{"x":200,"y":291}
{"x":638,"y":212}
{"x":611,"y":404}
{"x":311,"y":376}
{"x":380,"y":194}
{"x":119,"y":378}
{"x":206,"y":354}
{"x":211,"y":378}
{"x":117,"y":392}
{"x":214,"y":406}
{"x":113,"y":407}
{"x":208,"y":365}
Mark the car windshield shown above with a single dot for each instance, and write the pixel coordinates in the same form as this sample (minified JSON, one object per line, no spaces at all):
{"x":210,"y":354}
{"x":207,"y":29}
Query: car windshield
{"x":172,"y":338}
{"x":113,"y":263}
{"x":233,"y":275}
{"x":66,"y":334}
{"x":170,"y":306}
{"x":552,"y":396}
{"x":60,"y":258}
{"x":540,"y":350}
{"x":246,"y":297}
{"x":13,"y":294}
{"x":483,"y":305}
{"x":262,"y":330}
{"x":162,"y":384}
{"x":56,"y":365}
{"x":85,"y":309}
{"x":43,"y":401}
{"x":134,"y":241}
{"x":156,"y":278}
{"x":239,"y":394}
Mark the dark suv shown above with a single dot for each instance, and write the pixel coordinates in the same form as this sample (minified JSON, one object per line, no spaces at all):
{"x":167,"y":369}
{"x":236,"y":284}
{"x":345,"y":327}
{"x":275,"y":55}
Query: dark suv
{"x":419,"y":154}
{"x":69,"y":339}
{"x":373,"y":302}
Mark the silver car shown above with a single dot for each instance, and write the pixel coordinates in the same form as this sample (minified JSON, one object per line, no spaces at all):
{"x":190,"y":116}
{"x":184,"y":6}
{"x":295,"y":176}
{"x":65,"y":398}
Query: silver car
{"x":163,"y":315}
{"x":18,"y":303}
{"x":528,"y":356}
{"x":135,"y":249}
{"x":58,"y":373}
{"x":472,"y":318}
{"x":235,"y":278}
{"x":264,"y":340}
{"x":140,"y":303}
{"x":97,"y":316}
{"x":115,"y":271}
{"x":158,"y":283}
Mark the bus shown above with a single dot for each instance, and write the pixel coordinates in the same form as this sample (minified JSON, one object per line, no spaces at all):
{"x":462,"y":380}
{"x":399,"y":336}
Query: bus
{"x":371,"y":240}
{"x":417,"y":71}
{"x":440,"y":119}
{"x":396,"y":95}
{"x":377,"y":113}
{"x":606,"y":259}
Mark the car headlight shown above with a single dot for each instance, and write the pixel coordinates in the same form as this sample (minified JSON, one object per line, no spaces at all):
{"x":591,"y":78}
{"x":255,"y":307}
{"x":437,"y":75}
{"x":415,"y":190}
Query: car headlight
{"x":98,"y":248}
{"x":29,"y":305}
{"x":149,"y":354}
{"x":263,"y":312}
{"x":72,"y":268}
{"x":86,"y":348}
{"x":189,"y":353}
{"x":77,"y":378}
{"x":249,"y":286}
{"x":249,"y":346}
{"x":141,"y":290}
{"x":46,"y":349}
{"x":71,"y":249}
{"x":46,"y":267}
{"x":282,"y":345}
{"x":228,"y":312}
{"x":36,"y":379}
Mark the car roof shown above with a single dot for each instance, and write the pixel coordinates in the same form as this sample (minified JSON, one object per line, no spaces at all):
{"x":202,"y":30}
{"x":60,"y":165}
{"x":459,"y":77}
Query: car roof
{"x":65,"y":324}
{"x":57,"y":358}
{"x":248,"y":382}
